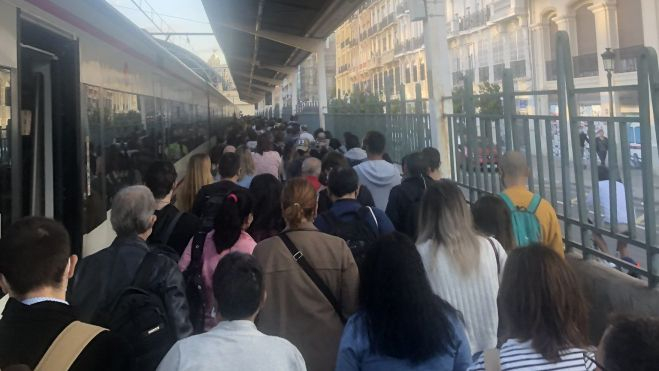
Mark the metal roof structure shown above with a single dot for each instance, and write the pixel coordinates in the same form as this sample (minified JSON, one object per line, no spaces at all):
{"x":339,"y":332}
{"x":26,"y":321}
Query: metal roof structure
{"x":265,"y":40}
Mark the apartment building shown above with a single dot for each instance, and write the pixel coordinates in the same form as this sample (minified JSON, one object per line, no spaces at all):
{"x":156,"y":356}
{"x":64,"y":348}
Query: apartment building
{"x":379,"y":50}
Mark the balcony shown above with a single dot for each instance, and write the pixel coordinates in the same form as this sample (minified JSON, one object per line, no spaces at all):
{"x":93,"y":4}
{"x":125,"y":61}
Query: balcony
{"x":627,"y":59}
{"x":586,"y":65}
{"x":386,"y":21}
{"x":344,"y":68}
{"x":470,"y":21}
{"x":408,"y":45}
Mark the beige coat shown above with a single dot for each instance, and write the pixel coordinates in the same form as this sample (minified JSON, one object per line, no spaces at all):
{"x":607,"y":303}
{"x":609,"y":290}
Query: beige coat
{"x":295,"y":308}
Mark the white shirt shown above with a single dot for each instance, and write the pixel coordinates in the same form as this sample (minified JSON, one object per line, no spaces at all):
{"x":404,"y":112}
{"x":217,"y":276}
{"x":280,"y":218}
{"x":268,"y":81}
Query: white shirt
{"x":475,"y":295}
{"x":233,"y":345}
{"x":308,"y":136}
{"x":605,"y":202}
{"x":515,"y":355}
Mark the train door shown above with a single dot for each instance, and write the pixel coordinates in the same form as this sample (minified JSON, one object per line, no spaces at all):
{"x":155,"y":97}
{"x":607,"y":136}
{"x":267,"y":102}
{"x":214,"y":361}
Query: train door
{"x":51,"y":173}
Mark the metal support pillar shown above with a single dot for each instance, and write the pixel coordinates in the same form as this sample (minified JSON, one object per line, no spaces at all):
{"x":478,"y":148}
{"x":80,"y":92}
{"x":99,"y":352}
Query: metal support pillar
{"x":294,"y":93}
{"x":322,"y":87}
{"x":439,"y":77}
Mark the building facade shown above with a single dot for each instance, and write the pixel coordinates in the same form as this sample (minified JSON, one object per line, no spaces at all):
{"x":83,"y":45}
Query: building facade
{"x":379,"y":51}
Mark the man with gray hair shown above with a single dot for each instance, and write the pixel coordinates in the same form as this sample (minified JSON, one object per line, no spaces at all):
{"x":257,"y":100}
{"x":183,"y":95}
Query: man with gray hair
{"x":128,"y":266}
{"x":528,"y":209}
{"x":311,"y":171}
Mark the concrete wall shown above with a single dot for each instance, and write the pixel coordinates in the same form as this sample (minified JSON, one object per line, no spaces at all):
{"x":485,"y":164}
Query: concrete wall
{"x":610,"y":292}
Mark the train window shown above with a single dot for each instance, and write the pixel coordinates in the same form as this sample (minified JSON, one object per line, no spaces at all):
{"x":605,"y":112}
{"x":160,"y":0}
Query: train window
{"x":5,"y":160}
{"x":95,"y":210}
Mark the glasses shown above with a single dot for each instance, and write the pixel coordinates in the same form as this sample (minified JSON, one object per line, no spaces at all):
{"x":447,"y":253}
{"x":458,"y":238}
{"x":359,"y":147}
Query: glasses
{"x":588,"y":358}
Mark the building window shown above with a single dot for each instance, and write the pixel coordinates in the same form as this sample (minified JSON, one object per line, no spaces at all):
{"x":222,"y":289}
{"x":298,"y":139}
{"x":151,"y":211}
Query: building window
{"x":397,"y":76}
{"x":415,"y":73}
{"x":422,"y":71}
{"x":407,"y":74}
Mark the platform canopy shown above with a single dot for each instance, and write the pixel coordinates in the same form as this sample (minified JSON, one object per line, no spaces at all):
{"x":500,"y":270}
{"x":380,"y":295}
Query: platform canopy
{"x":265,"y":40}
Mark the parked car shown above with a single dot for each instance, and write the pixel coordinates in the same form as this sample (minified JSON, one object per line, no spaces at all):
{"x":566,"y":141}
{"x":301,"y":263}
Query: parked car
{"x":486,"y":156}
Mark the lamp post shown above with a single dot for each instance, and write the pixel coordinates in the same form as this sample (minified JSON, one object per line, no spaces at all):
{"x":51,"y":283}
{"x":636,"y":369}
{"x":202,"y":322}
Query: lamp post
{"x":609,"y":60}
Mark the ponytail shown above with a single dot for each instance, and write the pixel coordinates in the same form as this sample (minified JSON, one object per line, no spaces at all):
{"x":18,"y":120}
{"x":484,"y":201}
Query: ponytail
{"x":233,"y":211}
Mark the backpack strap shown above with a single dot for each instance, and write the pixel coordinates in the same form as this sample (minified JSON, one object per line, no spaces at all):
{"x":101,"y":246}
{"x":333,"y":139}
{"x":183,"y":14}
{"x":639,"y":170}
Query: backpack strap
{"x":492,"y":360}
{"x":365,"y":213}
{"x":508,"y":201}
{"x":313,"y":275}
{"x":68,"y":346}
{"x":534,"y":204}
{"x":170,"y":228}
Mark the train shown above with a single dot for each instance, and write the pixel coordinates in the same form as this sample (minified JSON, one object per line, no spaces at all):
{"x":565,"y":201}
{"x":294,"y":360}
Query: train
{"x":87,"y":100}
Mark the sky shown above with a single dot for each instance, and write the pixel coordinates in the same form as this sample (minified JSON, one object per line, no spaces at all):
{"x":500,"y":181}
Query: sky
{"x":175,"y":16}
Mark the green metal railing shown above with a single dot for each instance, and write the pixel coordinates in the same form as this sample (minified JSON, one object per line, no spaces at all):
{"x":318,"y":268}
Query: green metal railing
{"x":562,"y":171}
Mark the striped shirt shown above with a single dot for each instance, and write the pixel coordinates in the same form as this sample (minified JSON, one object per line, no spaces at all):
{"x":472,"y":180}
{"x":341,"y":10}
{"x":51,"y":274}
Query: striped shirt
{"x":515,"y":355}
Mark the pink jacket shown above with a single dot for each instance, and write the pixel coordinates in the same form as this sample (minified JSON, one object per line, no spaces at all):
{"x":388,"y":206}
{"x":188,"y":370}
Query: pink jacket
{"x":267,"y":163}
{"x":245,"y":244}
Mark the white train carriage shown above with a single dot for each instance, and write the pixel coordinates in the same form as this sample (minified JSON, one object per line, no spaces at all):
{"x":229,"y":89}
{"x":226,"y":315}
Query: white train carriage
{"x":86,"y":100}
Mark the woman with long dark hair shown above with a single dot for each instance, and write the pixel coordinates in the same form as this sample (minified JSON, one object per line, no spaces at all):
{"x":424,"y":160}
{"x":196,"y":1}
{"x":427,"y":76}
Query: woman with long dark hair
{"x":266,"y":159}
{"x":544,"y":312}
{"x":401,"y":324}
{"x":268,"y":221}
{"x":492,"y":218}
{"x":229,"y":234}
{"x":463,"y":266}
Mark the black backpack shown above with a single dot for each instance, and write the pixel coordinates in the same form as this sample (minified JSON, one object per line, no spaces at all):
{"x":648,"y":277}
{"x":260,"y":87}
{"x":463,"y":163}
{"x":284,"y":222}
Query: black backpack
{"x":194,"y":283}
{"x":140,"y":317}
{"x":358,"y":234}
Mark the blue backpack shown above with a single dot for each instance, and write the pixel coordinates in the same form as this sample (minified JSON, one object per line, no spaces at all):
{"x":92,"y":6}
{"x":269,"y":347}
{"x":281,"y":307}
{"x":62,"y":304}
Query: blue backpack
{"x":526,"y":226}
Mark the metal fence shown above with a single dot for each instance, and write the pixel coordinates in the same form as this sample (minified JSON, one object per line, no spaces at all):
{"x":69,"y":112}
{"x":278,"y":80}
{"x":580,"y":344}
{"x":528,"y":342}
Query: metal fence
{"x":562,"y":170}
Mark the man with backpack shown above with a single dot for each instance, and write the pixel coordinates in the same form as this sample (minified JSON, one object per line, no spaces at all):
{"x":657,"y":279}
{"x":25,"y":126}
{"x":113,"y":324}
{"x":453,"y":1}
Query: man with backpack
{"x":173,"y":227}
{"x":534,"y":219}
{"x":358,"y":225}
{"x":132,"y":289}
{"x":39,"y":329}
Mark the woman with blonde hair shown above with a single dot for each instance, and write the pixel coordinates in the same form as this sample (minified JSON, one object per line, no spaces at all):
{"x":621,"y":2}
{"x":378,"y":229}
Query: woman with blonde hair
{"x":462,"y":265}
{"x":247,"y":172}
{"x":298,"y":309}
{"x":198,"y":175}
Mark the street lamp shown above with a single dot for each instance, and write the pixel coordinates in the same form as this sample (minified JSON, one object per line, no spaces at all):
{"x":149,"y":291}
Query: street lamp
{"x":609,"y":60}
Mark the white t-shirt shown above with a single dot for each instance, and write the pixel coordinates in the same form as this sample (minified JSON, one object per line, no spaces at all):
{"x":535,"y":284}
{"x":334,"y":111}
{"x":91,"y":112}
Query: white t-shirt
{"x":475,"y":295}
{"x":515,"y":355}
{"x":233,"y":345}
{"x":605,"y":202}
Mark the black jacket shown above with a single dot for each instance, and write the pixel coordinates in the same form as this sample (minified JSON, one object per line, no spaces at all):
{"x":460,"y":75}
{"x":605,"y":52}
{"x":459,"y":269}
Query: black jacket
{"x":183,"y":231}
{"x":27,"y":331}
{"x":210,"y":190}
{"x":102,"y":276}
{"x":325,"y":202}
{"x":404,"y":202}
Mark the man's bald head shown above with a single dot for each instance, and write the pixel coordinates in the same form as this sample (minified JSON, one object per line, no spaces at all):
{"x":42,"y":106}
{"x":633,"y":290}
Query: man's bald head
{"x":311,"y":167}
{"x":514,"y":168}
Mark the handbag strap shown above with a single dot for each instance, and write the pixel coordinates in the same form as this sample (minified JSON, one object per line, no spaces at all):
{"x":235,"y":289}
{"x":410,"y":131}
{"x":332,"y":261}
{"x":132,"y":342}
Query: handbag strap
{"x":68,"y":345}
{"x":496,"y":255}
{"x":308,"y":269}
{"x":170,"y":228}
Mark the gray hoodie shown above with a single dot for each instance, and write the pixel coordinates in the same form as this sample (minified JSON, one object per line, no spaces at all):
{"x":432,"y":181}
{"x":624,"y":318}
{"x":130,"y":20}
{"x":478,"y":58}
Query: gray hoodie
{"x":379,"y":177}
{"x":356,"y":154}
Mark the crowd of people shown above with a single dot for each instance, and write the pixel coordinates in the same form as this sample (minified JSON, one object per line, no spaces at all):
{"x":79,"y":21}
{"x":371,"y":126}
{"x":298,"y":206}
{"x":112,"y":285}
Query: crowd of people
{"x":289,"y":250}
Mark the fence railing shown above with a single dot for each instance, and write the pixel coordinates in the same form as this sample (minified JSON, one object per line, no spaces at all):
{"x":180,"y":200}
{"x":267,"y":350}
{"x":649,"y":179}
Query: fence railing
{"x":564,"y":166}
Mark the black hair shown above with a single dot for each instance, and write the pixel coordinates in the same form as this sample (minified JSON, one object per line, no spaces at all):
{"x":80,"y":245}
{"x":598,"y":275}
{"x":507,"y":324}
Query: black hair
{"x":266,"y":193}
{"x":433,"y":158}
{"x":631,"y":343}
{"x":334,"y":143}
{"x":404,"y":318}
{"x":230,"y":217}
{"x":34,"y":252}
{"x":351,"y":140}
{"x":264,"y":143}
{"x":375,"y":143}
{"x":160,"y":178}
{"x":342,"y":181}
{"x":229,"y":165}
{"x":493,"y":218}
{"x":603,"y":173}
{"x":238,"y":286}
{"x":416,"y":164}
